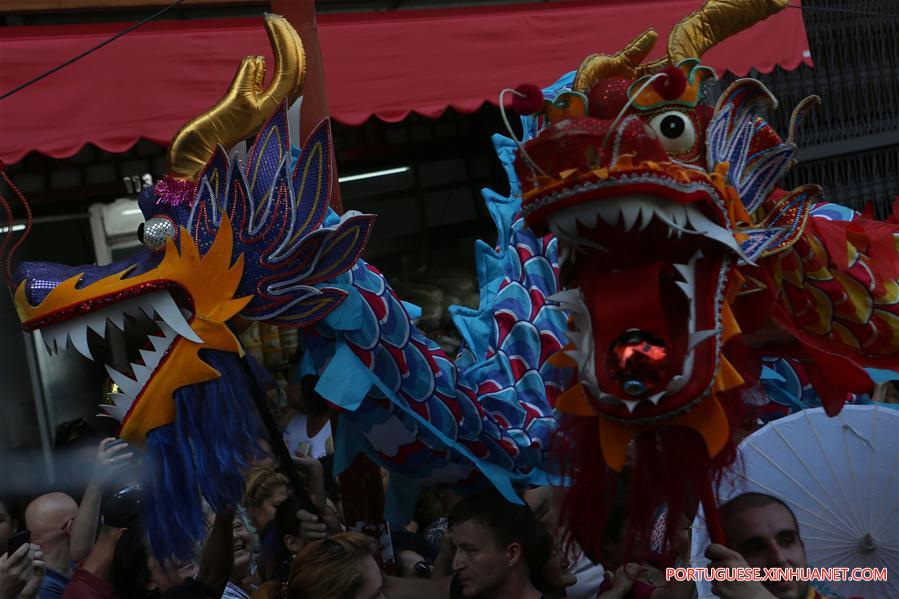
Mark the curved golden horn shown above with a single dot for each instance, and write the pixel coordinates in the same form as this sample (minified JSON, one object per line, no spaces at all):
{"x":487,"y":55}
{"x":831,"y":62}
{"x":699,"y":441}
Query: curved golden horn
{"x":246,"y":106}
{"x":716,"y":21}
{"x":623,"y":63}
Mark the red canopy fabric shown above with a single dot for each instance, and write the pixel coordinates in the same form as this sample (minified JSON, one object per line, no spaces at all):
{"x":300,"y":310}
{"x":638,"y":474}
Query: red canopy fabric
{"x":149,"y":82}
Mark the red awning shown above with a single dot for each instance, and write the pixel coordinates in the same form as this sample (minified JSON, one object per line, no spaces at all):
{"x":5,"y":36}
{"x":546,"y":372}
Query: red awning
{"x":146,"y":84}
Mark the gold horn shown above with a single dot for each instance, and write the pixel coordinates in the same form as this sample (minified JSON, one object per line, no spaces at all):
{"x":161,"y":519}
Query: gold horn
{"x":621,"y":64}
{"x":716,"y":21}
{"x":246,"y":106}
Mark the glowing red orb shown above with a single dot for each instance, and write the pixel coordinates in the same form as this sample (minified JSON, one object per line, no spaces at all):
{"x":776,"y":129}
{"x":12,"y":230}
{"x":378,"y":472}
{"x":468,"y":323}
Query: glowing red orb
{"x":638,"y":363}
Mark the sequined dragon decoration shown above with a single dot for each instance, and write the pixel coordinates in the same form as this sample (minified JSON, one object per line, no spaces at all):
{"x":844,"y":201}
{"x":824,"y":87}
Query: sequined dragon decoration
{"x":228,"y":241}
{"x":685,"y":268}
{"x":652,"y":343}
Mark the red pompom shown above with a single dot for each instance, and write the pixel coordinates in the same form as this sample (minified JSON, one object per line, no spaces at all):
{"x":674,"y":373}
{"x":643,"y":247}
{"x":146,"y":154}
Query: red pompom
{"x":529,"y":101}
{"x":673,"y":85}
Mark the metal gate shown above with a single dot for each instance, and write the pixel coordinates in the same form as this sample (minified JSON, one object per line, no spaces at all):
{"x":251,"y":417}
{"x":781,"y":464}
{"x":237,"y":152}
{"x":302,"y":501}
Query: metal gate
{"x":849,"y":144}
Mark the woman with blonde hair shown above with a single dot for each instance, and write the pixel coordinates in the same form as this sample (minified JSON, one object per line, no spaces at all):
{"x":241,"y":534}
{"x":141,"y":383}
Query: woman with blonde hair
{"x":338,"y":567}
{"x":265,"y":491}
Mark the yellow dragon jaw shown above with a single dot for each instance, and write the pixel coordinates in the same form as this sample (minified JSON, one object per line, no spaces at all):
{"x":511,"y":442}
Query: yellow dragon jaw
{"x":205,"y":286}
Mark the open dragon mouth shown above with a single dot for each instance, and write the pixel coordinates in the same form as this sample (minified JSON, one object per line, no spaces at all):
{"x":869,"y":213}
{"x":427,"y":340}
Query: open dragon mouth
{"x":644,"y":262}
{"x":189,"y":297}
{"x":170,"y":319}
{"x":646,"y":248}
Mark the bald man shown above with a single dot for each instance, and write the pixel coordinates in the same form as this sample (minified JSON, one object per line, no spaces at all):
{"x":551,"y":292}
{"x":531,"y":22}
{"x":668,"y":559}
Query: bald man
{"x":49,"y":518}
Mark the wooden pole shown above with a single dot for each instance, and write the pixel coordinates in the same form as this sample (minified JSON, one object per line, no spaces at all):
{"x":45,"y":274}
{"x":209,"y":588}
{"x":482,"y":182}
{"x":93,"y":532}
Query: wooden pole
{"x":301,"y":14}
{"x":361,"y":485}
{"x":276,"y":439}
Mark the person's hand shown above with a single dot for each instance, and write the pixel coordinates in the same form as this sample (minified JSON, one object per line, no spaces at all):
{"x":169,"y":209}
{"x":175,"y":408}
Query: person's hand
{"x":33,"y":586}
{"x":314,"y":474}
{"x":622,"y":581}
{"x":443,"y":565}
{"x":111,"y":455}
{"x":311,"y":526}
{"x":722,"y":557}
{"x":22,"y":572}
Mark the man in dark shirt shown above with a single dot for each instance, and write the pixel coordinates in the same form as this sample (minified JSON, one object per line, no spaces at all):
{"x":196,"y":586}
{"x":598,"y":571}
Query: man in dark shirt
{"x":92,"y":579}
{"x":494,"y":548}
{"x":497,"y":553}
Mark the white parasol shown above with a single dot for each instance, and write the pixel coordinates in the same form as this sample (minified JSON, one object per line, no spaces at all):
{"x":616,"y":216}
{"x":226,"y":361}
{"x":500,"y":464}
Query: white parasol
{"x":839,"y":476}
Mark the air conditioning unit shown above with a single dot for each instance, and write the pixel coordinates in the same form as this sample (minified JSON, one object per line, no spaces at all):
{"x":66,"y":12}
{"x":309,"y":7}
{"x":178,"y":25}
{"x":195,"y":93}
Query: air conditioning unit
{"x":114,"y":228}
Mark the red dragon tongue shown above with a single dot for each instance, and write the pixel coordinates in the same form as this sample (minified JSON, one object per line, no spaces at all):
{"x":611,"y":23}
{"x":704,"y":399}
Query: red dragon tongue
{"x":631,"y":330}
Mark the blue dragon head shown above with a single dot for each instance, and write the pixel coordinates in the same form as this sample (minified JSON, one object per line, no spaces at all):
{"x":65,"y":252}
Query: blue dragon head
{"x":224,"y":240}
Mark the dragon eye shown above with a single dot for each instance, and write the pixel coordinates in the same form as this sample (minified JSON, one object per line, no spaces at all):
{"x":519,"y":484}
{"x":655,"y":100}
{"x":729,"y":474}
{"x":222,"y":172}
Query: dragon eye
{"x":155,"y":231}
{"x":675,"y":131}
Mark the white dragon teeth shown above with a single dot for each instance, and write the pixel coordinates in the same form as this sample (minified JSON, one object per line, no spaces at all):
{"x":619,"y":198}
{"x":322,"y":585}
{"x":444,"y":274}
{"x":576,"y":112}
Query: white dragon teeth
{"x":686,"y":287}
{"x":172,"y":322}
{"x":118,"y":320}
{"x":55,"y":338}
{"x":168,"y":310}
{"x":685,"y":271}
{"x":608,"y":212}
{"x":700,"y":336}
{"x":150,"y":358}
{"x":709,"y":229}
{"x":631,"y":404}
{"x":564,"y":227}
{"x":141,"y":374}
{"x":627,"y":211}
{"x":96,"y":321}
{"x":128,"y":386}
{"x":678,"y":214}
{"x":676,"y":384}
{"x":655,"y":398}
{"x":160,"y":344}
{"x":131,"y":306}
{"x":120,"y":406}
{"x":646,"y":214}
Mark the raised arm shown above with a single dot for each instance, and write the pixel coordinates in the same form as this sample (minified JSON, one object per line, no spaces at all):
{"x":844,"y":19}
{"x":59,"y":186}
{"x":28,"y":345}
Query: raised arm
{"x":110,"y":458}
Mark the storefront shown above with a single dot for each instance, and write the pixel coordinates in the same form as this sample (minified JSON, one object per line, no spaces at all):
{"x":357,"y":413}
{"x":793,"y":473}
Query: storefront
{"x":399,"y":85}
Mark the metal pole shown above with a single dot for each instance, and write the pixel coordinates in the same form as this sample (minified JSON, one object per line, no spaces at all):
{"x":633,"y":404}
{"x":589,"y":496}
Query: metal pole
{"x":276,"y":439}
{"x":40,"y":405}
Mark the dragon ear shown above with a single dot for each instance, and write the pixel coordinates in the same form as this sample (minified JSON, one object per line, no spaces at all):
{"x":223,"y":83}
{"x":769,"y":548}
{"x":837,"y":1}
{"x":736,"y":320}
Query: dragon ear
{"x":342,"y":247}
{"x":272,"y":147}
{"x":211,"y":201}
{"x":312,"y":179}
{"x":311,"y":308}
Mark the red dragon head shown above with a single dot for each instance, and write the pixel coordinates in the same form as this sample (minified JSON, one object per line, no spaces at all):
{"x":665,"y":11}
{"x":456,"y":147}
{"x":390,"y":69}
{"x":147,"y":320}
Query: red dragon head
{"x":668,"y":218}
{"x":651,"y":230}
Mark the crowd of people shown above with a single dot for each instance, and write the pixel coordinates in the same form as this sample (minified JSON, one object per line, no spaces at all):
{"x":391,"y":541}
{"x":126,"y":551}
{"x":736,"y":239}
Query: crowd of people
{"x":276,"y":545}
